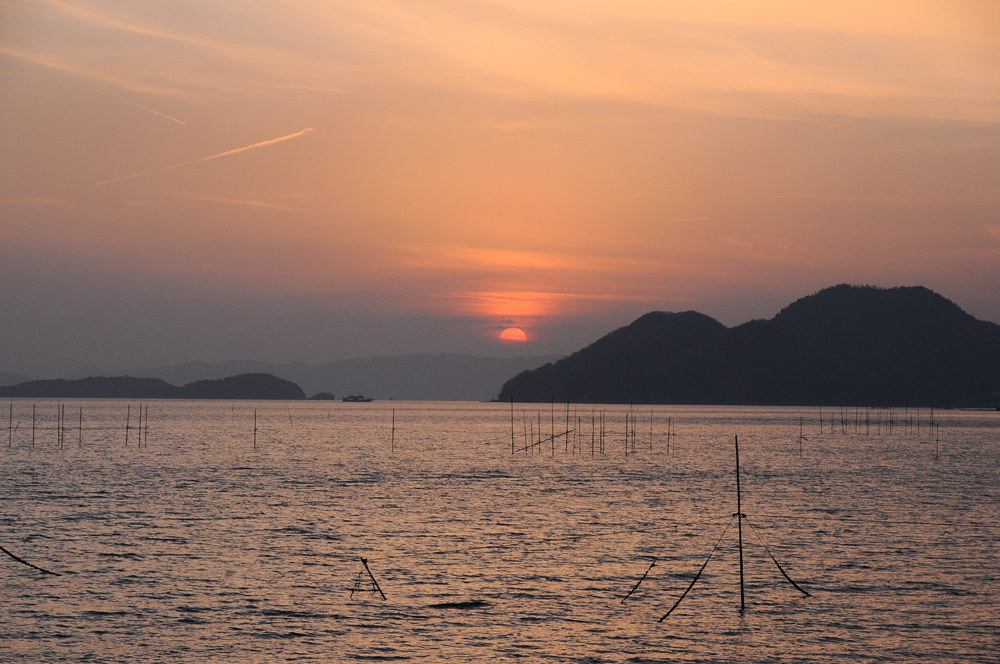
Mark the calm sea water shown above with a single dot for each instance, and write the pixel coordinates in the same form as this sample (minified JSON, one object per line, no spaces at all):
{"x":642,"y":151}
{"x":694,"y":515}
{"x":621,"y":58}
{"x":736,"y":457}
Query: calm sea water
{"x":199,"y":547}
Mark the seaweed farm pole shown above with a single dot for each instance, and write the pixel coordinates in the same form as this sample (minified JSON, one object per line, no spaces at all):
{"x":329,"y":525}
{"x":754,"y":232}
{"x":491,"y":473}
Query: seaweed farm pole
{"x":392,"y":441}
{"x":552,"y":425}
{"x":566,"y":446}
{"x":80,"y":439}
{"x":800,"y":436}
{"x":10,"y":426}
{"x":524,"y":423}
{"x":32,"y":425}
{"x":128,"y":415}
{"x":511,"y":424}
{"x":593,"y":435}
{"x":147,"y":425}
{"x":650,"y":429}
{"x":739,"y":520}
{"x":633,"y":432}
{"x":255,"y":428}
{"x":602,"y":432}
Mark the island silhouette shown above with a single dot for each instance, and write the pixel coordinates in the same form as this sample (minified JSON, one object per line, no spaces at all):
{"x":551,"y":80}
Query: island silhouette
{"x":842,"y":345}
{"x":244,"y":386}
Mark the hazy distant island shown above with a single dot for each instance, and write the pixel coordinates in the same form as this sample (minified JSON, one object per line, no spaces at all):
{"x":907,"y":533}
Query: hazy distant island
{"x":842,"y":345}
{"x":417,"y":376}
{"x":244,"y":386}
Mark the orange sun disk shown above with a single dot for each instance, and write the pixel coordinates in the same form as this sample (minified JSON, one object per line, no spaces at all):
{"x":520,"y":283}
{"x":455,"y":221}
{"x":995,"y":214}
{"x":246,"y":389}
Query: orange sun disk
{"x":513,"y":334}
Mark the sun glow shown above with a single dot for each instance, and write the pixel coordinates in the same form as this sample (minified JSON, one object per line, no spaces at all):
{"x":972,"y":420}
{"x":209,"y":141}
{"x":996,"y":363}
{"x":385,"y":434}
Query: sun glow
{"x":513,"y":334}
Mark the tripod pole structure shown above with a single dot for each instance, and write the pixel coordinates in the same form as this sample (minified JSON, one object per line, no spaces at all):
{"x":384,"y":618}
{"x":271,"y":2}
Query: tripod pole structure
{"x":372,"y":577}
{"x":739,"y":517}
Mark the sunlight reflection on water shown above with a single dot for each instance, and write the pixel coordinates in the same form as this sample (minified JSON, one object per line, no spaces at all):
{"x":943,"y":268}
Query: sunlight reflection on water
{"x":199,"y":547}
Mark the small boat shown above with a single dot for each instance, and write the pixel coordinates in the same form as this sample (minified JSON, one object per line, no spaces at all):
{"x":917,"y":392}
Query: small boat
{"x":356,"y":398}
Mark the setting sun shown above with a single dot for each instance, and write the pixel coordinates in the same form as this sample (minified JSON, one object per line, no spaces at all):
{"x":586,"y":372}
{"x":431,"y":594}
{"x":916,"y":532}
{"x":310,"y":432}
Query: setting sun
{"x":513,"y":334}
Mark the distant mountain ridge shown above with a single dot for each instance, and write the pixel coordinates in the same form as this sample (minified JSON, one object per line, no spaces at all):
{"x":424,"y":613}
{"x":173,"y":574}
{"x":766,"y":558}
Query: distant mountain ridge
{"x":442,"y":377}
{"x":844,"y":344}
{"x":245,"y":386}
{"x":8,"y":378}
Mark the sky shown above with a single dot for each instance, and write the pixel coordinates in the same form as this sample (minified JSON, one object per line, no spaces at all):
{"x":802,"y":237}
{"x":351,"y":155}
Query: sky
{"x":297,"y":180}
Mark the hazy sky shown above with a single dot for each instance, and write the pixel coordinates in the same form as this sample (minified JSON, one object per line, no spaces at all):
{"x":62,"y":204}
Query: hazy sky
{"x":311,"y":180}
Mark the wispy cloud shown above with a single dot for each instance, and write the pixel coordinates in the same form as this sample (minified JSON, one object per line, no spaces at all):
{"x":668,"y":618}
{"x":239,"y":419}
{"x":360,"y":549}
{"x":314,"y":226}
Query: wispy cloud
{"x":37,"y":201}
{"x":124,"y":177}
{"x":247,"y":202}
{"x":214,"y":156}
{"x":162,"y":115}
{"x":243,"y":149}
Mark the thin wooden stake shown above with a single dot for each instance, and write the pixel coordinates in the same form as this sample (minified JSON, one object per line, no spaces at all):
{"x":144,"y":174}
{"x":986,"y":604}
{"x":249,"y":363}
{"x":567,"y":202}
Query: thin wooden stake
{"x":739,"y":521}
{"x":637,"y":583}
{"x":512,"y":424}
{"x":128,"y":415}
{"x":566,"y":442}
{"x":698,"y":575}
{"x":255,"y":428}
{"x":372,"y":577}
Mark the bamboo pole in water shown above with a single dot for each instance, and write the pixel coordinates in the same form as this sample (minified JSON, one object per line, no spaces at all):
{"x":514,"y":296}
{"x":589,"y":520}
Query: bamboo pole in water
{"x":128,"y":416}
{"x":32,"y":425}
{"x":80,"y":439}
{"x":739,"y":520}
{"x":626,"y":434}
{"x":566,"y":442}
{"x":255,"y":428}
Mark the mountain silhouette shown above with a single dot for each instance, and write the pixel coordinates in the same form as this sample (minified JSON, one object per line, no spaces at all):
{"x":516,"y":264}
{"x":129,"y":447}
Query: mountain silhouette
{"x":244,"y":386}
{"x":842,"y":345}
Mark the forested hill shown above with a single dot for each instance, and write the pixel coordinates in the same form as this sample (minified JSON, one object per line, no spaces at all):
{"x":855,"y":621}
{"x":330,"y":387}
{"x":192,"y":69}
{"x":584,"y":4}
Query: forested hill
{"x":244,"y":386}
{"x":842,"y":345}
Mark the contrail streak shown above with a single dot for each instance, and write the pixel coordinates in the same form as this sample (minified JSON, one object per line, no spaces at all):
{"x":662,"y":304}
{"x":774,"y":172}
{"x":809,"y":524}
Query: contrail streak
{"x":214,"y":156}
{"x":243,"y":149}
{"x":162,"y":115}
{"x":127,"y":177}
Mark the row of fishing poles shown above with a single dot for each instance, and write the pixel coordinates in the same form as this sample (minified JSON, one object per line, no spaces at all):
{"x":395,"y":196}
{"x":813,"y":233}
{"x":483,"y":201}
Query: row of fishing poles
{"x":890,"y":424}
{"x":62,"y":427}
{"x":533,"y":441}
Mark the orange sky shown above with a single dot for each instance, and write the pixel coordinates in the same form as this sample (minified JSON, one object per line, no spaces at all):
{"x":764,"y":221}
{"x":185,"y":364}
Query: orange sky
{"x":561,"y":167}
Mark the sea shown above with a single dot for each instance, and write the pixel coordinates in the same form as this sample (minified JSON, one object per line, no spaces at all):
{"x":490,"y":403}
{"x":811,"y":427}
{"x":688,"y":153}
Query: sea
{"x":213,"y":531}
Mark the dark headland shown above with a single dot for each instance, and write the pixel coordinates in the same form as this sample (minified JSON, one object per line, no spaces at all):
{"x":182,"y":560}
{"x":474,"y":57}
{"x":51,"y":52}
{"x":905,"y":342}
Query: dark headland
{"x":842,"y":345}
{"x":245,"y":386}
